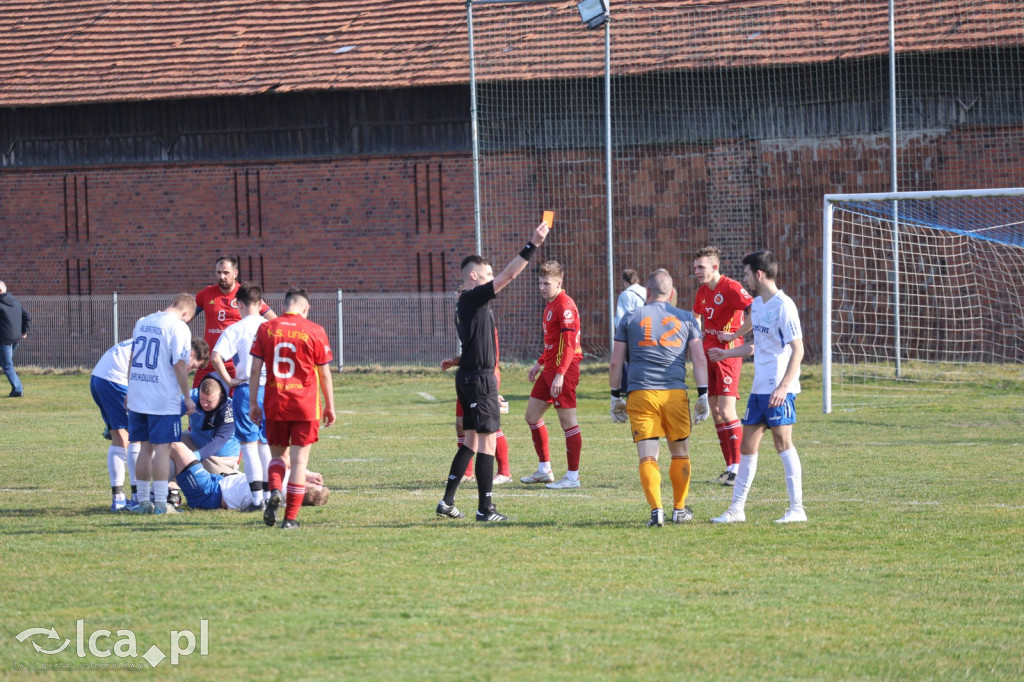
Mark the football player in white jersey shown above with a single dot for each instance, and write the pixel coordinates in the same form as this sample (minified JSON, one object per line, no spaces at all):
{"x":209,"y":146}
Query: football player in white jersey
{"x":777,"y":346}
{"x":109,"y":386}
{"x":234,"y":344}
{"x":157,"y":377}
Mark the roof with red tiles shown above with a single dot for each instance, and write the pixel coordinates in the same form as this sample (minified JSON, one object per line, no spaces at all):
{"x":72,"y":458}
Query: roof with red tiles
{"x":117,"y":50}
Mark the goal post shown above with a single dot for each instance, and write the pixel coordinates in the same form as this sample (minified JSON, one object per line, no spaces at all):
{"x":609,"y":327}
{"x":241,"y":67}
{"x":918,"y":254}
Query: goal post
{"x":921,"y":290}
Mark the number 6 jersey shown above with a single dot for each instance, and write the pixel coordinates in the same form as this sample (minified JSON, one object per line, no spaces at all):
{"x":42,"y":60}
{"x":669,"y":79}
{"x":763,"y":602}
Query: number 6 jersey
{"x":291,"y":348}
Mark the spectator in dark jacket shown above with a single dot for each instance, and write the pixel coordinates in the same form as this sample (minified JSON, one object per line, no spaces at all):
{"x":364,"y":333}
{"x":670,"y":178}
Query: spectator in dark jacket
{"x":14,"y":325}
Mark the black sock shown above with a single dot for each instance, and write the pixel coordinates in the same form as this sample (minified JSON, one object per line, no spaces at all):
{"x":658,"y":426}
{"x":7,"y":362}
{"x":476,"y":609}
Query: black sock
{"x":459,"y":464}
{"x":134,"y":491}
{"x":484,"y":480}
{"x":256,"y":486}
{"x":117,"y":489}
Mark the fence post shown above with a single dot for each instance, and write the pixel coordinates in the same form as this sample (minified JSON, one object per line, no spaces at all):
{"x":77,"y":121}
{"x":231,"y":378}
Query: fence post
{"x":341,"y":336}
{"x":115,"y":318}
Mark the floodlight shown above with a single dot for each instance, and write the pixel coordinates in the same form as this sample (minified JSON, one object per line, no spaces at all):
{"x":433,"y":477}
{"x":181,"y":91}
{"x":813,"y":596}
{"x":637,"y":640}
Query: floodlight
{"x":594,"y":13}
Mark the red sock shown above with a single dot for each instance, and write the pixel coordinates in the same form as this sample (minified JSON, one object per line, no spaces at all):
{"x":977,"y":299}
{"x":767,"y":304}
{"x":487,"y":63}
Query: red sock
{"x":294,"y":501}
{"x":275,"y":474}
{"x":573,"y":447}
{"x":501,"y":454}
{"x":539,"y":433}
{"x":730,"y":435}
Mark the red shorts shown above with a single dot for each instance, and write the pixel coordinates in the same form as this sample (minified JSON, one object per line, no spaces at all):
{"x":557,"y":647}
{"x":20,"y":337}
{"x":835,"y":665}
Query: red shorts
{"x":724,"y":377}
{"x":284,"y":434}
{"x":567,"y":398}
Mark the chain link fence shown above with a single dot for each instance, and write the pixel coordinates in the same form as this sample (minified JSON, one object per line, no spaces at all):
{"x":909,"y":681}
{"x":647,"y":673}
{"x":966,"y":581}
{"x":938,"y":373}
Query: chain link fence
{"x":365,"y":329}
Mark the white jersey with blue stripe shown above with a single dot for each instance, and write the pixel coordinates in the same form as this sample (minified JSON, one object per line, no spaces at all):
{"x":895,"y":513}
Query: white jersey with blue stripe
{"x":776,"y":323}
{"x":113,"y":366}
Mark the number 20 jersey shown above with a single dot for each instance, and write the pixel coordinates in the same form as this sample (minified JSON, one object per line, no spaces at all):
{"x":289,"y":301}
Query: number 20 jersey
{"x":656,"y":338}
{"x":159,"y":341}
{"x":292,"y":348}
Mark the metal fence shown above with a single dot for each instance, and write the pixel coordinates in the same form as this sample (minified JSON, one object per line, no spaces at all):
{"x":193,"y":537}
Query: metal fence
{"x":364,"y":329}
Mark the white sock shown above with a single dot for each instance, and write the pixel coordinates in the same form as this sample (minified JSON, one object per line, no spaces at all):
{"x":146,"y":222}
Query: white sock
{"x":116,"y":461}
{"x":744,"y":479}
{"x":733,"y":468}
{"x":265,"y":458}
{"x":572,"y":475}
{"x":160,"y":493}
{"x":544,"y":467}
{"x":251,"y":462}
{"x":794,"y":477}
{"x":133,"y":457}
{"x":143,"y":489}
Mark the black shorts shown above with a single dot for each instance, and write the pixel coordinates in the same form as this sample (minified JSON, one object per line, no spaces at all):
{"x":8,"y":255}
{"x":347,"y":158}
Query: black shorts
{"x":478,"y":393}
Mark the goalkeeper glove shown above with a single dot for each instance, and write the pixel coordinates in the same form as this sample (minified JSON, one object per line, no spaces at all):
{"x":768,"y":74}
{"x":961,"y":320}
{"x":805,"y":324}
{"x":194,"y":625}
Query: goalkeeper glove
{"x":701,"y":411}
{"x":618,"y":410}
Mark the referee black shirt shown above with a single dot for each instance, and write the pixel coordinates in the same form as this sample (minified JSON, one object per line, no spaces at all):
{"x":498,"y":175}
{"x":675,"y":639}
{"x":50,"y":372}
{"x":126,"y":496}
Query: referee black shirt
{"x":475,"y":324}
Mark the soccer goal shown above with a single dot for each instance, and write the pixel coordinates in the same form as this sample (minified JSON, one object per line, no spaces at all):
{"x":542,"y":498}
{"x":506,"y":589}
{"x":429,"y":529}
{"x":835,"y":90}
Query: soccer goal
{"x":921,"y":291}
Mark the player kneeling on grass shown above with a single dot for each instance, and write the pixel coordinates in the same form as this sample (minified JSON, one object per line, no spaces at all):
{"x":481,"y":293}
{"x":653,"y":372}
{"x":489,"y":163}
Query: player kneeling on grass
{"x":657,"y":337}
{"x":298,"y":356}
{"x":777,"y":346}
{"x":204,"y":490}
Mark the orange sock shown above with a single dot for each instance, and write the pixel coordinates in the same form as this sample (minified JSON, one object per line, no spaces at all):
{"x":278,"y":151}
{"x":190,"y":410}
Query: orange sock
{"x":650,"y":480}
{"x":679,"y":472}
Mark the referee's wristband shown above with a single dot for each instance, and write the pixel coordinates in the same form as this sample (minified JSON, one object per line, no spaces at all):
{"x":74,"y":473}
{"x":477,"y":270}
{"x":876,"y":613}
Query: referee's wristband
{"x":701,"y":390}
{"x":616,"y":392}
{"x":527,"y":251}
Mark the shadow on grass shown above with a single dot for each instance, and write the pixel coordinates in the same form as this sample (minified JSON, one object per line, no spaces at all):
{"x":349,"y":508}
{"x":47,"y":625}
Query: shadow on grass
{"x":468,"y":522}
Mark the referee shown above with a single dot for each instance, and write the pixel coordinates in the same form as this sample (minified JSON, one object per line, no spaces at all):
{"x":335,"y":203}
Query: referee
{"x":475,"y":383}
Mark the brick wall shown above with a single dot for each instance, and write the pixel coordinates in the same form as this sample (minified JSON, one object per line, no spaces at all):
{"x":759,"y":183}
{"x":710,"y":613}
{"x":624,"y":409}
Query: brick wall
{"x":396,"y":224}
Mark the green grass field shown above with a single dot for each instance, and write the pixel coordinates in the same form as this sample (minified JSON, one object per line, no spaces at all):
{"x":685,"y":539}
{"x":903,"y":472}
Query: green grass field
{"x":911,"y":567}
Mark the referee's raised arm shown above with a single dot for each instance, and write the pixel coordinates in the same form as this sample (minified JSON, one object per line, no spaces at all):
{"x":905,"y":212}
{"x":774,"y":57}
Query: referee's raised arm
{"x":518,"y":264}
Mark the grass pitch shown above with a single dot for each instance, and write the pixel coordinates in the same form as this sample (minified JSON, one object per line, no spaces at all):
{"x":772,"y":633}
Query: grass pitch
{"x":911,"y":567}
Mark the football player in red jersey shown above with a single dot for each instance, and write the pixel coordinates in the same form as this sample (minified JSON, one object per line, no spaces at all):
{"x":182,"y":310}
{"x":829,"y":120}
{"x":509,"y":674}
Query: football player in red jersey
{"x":719,"y":304}
{"x":556,"y":375}
{"x":217,"y":302}
{"x":297,"y":354}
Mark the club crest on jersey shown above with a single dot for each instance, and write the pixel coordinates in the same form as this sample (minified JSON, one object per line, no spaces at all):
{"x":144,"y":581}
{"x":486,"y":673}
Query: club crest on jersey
{"x":234,"y":303}
{"x":727,"y":380}
{"x":718,"y":299}
{"x":550,"y":315}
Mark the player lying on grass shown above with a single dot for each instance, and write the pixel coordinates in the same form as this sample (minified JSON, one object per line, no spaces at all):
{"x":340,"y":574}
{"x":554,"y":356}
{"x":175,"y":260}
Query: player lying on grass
{"x":204,"y":490}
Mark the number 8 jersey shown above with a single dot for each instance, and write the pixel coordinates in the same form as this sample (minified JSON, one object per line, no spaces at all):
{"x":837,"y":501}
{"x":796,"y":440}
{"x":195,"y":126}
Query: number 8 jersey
{"x":291,"y":348}
{"x":656,"y":338}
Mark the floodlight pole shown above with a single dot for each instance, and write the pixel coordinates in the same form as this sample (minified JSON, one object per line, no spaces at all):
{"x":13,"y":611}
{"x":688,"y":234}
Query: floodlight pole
{"x":477,"y":233}
{"x":608,"y":179}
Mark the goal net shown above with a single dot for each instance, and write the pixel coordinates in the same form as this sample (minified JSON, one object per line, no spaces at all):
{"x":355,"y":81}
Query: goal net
{"x":921,"y":290}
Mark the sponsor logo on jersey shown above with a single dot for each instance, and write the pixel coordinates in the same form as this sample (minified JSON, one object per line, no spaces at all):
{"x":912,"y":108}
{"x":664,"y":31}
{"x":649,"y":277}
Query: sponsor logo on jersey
{"x":567,"y":314}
